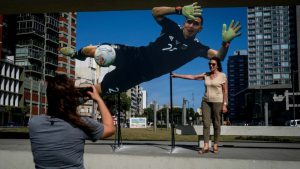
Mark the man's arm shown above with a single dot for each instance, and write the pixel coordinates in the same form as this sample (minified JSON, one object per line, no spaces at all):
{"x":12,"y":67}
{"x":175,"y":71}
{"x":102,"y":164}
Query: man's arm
{"x":227,"y":37}
{"x":159,"y":12}
{"x":189,"y":11}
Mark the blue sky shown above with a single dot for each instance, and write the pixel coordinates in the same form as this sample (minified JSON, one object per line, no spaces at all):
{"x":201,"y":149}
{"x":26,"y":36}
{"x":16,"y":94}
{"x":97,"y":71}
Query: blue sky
{"x":138,"y":28}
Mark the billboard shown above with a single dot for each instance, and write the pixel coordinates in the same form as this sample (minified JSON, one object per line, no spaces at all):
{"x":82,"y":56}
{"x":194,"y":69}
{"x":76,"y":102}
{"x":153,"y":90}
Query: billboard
{"x":138,"y":122}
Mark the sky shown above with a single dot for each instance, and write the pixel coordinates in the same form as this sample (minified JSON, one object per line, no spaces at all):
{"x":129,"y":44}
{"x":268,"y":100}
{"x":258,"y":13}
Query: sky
{"x":138,"y":28}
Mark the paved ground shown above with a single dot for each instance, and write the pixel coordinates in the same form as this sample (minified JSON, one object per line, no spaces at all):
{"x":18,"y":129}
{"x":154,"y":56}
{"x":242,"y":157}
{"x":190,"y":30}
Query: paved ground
{"x":227,"y":150}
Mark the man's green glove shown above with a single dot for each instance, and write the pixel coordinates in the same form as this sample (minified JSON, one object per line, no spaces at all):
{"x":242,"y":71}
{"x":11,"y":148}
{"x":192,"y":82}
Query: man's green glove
{"x":190,"y":11}
{"x":232,"y":32}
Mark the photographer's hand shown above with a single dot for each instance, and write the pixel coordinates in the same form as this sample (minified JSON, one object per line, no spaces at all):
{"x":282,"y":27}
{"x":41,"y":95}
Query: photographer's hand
{"x":94,"y":95}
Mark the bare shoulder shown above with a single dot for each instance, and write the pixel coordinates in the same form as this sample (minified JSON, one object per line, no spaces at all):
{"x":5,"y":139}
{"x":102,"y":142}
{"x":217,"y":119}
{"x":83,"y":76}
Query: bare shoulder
{"x":223,"y":74}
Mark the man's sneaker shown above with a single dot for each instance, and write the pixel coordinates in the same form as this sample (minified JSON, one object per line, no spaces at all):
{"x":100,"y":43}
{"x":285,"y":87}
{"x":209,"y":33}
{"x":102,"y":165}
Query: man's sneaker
{"x":68,"y":51}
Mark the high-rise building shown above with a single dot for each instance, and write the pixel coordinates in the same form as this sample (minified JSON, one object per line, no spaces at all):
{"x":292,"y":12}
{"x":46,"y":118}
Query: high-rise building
{"x":36,"y":51}
{"x":39,"y":36}
{"x":135,"y":94}
{"x":144,"y":99}
{"x":271,"y":46}
{"x":272,"y":57}
{"x":237,"y":66}
{"x":67,"y":37}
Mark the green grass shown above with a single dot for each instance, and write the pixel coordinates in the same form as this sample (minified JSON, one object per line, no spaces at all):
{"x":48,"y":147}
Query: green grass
{"x":148,"y":134}
{"x":164,"y":135}
{"x":14,"y":129}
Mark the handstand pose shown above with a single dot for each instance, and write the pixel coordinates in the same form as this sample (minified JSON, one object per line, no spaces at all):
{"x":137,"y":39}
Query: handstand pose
{"x":175,"y":47}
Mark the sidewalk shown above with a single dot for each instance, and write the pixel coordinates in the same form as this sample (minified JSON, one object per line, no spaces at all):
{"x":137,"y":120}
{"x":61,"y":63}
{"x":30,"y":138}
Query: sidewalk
{"x":157,"y":155}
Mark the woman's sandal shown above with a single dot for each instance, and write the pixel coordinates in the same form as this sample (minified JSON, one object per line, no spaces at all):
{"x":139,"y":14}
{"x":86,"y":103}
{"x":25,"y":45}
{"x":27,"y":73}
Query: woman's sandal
{"x":203,"y":151}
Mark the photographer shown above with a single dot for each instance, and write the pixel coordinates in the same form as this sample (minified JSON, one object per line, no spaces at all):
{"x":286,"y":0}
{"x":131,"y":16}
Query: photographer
{"x":58,"y":138}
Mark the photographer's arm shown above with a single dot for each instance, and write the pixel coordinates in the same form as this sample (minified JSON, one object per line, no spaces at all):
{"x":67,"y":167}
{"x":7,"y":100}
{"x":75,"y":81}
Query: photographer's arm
{"x":107,"y":120}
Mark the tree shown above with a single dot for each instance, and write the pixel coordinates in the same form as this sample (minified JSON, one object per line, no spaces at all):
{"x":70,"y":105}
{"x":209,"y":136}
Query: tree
{"x":111,"y":102}
{"x":177,"y":115}
{"x":148,"y":112}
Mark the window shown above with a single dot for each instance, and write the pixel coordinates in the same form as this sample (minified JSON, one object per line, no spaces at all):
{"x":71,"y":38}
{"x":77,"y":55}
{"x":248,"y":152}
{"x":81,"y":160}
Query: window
{"x":276,"y":76}
{"x":284,"y":46}
{"x":285,"y":76}
{"x":284,"y":64}
{"x":259,"y":36}
{"x":275,"y":47}
{"x":258,"y":14}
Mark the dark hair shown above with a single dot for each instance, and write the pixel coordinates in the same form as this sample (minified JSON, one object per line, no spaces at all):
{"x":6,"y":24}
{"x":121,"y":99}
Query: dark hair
{"x":63,"y":100}
{"x":202,"y":19}
{"x":218,"y":60}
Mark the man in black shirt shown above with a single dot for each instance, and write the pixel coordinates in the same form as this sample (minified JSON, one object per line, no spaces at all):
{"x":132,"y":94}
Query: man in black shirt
{"x":175,"y":47}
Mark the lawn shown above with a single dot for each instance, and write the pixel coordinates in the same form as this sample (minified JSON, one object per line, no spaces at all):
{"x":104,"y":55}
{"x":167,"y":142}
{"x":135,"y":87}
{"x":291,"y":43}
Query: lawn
{"x":162,"y":134}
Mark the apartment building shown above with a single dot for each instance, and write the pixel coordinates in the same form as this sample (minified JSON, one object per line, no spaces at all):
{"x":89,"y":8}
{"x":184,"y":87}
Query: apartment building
{"x":273,"y":57}
{"x":135,"y":94}
{"x":237,"y":69}
{"x":38,"y":38}
{"x":67,"y":37}
{"x":271,"y":46}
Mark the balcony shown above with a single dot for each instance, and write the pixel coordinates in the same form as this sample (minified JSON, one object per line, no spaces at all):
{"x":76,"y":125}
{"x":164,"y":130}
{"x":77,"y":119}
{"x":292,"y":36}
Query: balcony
{"x":33,"y":69}
{"x":50,"y":73}
{"x":22,"y":31}
{"x":31,"y":43}
{"x":52,"y":38}
{"x":51,"y":50}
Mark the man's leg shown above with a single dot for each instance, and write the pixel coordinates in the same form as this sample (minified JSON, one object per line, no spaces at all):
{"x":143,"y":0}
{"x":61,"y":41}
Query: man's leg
{"x":84,"y":52}
{"x":104,"y":55}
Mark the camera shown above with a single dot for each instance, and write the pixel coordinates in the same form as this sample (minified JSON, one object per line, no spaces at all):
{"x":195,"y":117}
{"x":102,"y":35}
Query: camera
{"x":83,"y":91}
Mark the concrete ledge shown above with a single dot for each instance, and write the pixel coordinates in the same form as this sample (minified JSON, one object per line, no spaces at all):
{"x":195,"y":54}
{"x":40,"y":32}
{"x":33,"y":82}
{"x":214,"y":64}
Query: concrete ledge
{"x":23,"y":159}
{"x":242,"y":130}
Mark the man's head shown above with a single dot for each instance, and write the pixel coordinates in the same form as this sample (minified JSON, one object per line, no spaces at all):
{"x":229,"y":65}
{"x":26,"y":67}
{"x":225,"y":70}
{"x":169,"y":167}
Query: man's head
{"x":192,"y":27}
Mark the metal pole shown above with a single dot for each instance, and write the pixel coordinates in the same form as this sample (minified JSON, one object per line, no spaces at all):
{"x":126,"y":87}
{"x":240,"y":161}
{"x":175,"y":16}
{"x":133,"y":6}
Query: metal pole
{"x":293,"y":85}
{"x":119,"y":120}
{"x":167,"y":118}
{"x":155,"y":116}
{"x":172,"y":114}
